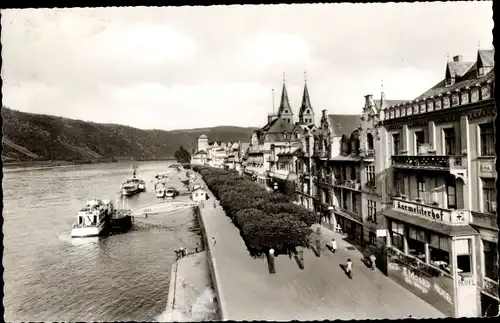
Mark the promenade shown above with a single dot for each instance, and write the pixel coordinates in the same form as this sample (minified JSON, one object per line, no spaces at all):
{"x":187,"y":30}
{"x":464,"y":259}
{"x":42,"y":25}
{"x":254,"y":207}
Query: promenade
{"x":320,"y":291}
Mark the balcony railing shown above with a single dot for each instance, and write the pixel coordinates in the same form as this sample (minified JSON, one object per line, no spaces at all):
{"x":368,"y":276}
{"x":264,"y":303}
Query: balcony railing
{"x":485,"y":219}
{"x":321,"y":154}
{"x":431,"y":212}
{"x":490,"y":286}
{"x":430,"y":162}
{"x":350,"y":184}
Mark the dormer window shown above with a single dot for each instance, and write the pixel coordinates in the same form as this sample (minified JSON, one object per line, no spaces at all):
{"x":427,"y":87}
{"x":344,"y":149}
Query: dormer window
{"x":485,"y":92}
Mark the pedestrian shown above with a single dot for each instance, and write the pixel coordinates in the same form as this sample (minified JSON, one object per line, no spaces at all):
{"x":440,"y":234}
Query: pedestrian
{"x":348,"y":268}
{"x":372,"y":261}
{"x":334,"y":245}
{"x":214,"y":241}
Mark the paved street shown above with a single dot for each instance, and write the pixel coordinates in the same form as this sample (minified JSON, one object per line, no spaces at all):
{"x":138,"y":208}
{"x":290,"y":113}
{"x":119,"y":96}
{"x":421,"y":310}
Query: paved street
{"x":320,"y":291}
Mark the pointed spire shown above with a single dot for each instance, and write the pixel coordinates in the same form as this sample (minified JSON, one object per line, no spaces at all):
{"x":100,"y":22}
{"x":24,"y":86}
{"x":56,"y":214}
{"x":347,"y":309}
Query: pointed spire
{"x":306,"y":101}
{"x":284,"y":104}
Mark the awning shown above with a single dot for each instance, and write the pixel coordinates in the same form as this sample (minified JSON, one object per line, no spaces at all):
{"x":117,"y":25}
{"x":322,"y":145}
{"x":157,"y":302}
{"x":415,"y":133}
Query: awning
{"x":443,"y":228}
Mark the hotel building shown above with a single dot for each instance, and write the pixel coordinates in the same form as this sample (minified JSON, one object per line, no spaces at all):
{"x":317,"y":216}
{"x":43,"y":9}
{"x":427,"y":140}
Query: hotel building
{"x":439,"y":197}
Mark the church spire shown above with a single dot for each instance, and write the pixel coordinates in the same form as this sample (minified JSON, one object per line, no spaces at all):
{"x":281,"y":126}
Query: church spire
{"x":306,"y":113}
{"x":284,"y":107}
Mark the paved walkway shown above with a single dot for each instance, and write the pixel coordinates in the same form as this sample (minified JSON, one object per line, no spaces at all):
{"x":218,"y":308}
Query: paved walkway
{"x":320,"y":291}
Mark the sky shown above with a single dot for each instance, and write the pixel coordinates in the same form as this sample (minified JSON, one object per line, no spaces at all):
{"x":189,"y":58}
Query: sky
{"x":194,"y":67}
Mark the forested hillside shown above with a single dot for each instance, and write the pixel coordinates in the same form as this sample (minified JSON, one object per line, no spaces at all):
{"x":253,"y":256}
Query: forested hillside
{"x":28,"y":136}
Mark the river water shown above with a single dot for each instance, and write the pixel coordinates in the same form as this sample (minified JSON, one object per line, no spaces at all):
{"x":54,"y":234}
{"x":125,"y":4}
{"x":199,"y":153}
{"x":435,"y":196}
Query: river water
{"x":50,"y":277}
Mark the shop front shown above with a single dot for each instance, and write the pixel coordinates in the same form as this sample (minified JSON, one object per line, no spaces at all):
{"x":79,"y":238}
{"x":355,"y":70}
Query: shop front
{"x":433,"y":257}
{"x":350,"y":226}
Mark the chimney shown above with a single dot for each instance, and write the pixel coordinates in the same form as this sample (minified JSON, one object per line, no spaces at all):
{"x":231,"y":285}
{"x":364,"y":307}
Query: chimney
{"x":323,"y":113}
{"x":458,"y":58}
{"x":369,"y":100}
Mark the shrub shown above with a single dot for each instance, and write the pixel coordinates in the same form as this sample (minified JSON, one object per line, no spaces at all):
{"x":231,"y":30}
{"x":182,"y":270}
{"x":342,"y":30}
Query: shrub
{"x":266,"y":220}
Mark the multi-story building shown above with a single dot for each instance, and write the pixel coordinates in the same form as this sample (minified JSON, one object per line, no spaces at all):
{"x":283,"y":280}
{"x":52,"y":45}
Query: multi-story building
{"x":438,"y":175}
{"x":274,"y":149}
{"x":214,"y":153}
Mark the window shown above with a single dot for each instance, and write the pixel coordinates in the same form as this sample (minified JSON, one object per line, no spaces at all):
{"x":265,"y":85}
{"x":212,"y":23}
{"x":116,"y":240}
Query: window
{"x":487,"y":139}
{"x":451,"y":193}
{"x":369,"y":139}
{"x":395,"y":144}
{"x":416,"y":243}
{"x":464,"y":256}
{"x":490,"y":260}
{"x":449,"y":141}
{"x":420,"y":186}
{"x":372,"y":211}
{"x":419,"y":139}
{"x":354,"y":202}
{"x":489,"y":195}
{"x":370,"y":175}
{"x":397,"y":235}
{"x":344,"y":173}
{"x":399,"y":188}
{"x":344,"y":200}
{"x":440,"y":252}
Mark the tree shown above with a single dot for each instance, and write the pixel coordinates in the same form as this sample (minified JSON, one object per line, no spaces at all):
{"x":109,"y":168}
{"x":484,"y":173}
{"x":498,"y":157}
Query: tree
{"x":182,"y":156}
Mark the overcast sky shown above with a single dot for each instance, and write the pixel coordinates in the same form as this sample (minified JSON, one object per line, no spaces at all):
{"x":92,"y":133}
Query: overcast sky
{"x":186,"y":67}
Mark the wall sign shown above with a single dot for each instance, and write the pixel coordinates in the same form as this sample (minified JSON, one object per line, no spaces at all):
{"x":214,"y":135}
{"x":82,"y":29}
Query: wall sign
{"x":425,"y":211}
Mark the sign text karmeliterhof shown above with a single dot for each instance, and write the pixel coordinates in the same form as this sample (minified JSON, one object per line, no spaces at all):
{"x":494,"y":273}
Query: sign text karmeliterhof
{"x":436,"y":214}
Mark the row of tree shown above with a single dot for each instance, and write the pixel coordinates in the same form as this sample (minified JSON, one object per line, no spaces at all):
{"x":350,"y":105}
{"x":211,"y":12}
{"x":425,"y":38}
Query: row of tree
{"x":266,"y":220}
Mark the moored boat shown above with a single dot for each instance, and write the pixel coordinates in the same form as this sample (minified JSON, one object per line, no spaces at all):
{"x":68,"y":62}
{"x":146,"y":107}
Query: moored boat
{"x":133,"y":185}
{"x":160,"y":189}
{"x":92,"y":220}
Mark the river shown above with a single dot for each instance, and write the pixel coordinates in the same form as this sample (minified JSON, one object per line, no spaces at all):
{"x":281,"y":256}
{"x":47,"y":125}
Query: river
{"x":50,"y":277}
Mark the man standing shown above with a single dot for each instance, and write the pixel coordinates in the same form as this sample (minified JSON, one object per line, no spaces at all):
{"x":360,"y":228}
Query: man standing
{"x":372,"y":261}
{"x":213,"y":240}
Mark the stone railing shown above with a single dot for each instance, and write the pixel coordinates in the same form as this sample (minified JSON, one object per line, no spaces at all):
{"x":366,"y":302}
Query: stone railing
{"x":431,"y":212}
{"x":430,"y":161}
{"x":490,"y":286}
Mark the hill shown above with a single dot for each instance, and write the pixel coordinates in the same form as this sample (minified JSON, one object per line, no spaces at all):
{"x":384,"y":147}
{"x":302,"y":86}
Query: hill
{"x":28,"y":136}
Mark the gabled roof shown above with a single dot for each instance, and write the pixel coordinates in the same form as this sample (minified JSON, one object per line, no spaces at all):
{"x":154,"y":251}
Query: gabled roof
{"x":458,"y":69}
{"x":440,"y":88}
{"x":344,"y":123}
{"x":279,"y":125}
{"x":487,"y":57}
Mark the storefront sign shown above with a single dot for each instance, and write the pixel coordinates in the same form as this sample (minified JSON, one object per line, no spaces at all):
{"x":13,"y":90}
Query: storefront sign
{"x":381,"y":232}
{"x":425,"y":211}
{"x":437,"y":291}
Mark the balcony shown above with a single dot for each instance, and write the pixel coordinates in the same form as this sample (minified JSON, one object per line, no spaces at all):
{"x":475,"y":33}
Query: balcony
{"x":456,"y":165}
{"x":348,"y":214}
{"x":431,"y":212}
{"x":350,"y":184}
{"x":485,"y":219}
{"x":321,"y":154}
{"x":490,"y":286}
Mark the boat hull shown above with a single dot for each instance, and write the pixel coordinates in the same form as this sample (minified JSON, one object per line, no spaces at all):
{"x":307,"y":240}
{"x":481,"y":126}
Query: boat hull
{"x":84,"y":232}
{"x":129,"y":192}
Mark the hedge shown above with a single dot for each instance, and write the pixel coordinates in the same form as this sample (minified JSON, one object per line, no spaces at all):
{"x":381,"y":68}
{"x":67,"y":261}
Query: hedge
{"x":265,"y":220}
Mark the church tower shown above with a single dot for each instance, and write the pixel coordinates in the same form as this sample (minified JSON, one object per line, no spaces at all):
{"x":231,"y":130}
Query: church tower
{"x":284,"y":110}
{"x":306,"y":112}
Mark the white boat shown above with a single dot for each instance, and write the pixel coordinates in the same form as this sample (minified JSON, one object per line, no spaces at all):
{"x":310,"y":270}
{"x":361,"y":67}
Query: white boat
{"x":92,"y":219}
{"x":133,"y":185}
{"x":160,"y":189}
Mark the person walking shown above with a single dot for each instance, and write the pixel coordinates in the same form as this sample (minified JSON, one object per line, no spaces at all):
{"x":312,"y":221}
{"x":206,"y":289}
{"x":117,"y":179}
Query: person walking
{"x":214,"y":241}
{"x":348,"y":268}
{"x":372,"y":261}
{"x":334,"y":245}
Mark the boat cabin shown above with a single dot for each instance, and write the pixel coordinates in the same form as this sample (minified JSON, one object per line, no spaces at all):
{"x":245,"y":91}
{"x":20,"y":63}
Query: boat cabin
{"x":199,"y":194}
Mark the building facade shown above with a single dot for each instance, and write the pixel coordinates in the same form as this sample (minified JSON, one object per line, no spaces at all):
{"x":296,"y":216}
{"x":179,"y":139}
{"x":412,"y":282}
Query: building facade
{"x":439,"y":195}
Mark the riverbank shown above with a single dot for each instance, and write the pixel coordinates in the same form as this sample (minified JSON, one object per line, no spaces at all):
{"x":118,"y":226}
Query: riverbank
{"x":190,"y":296}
